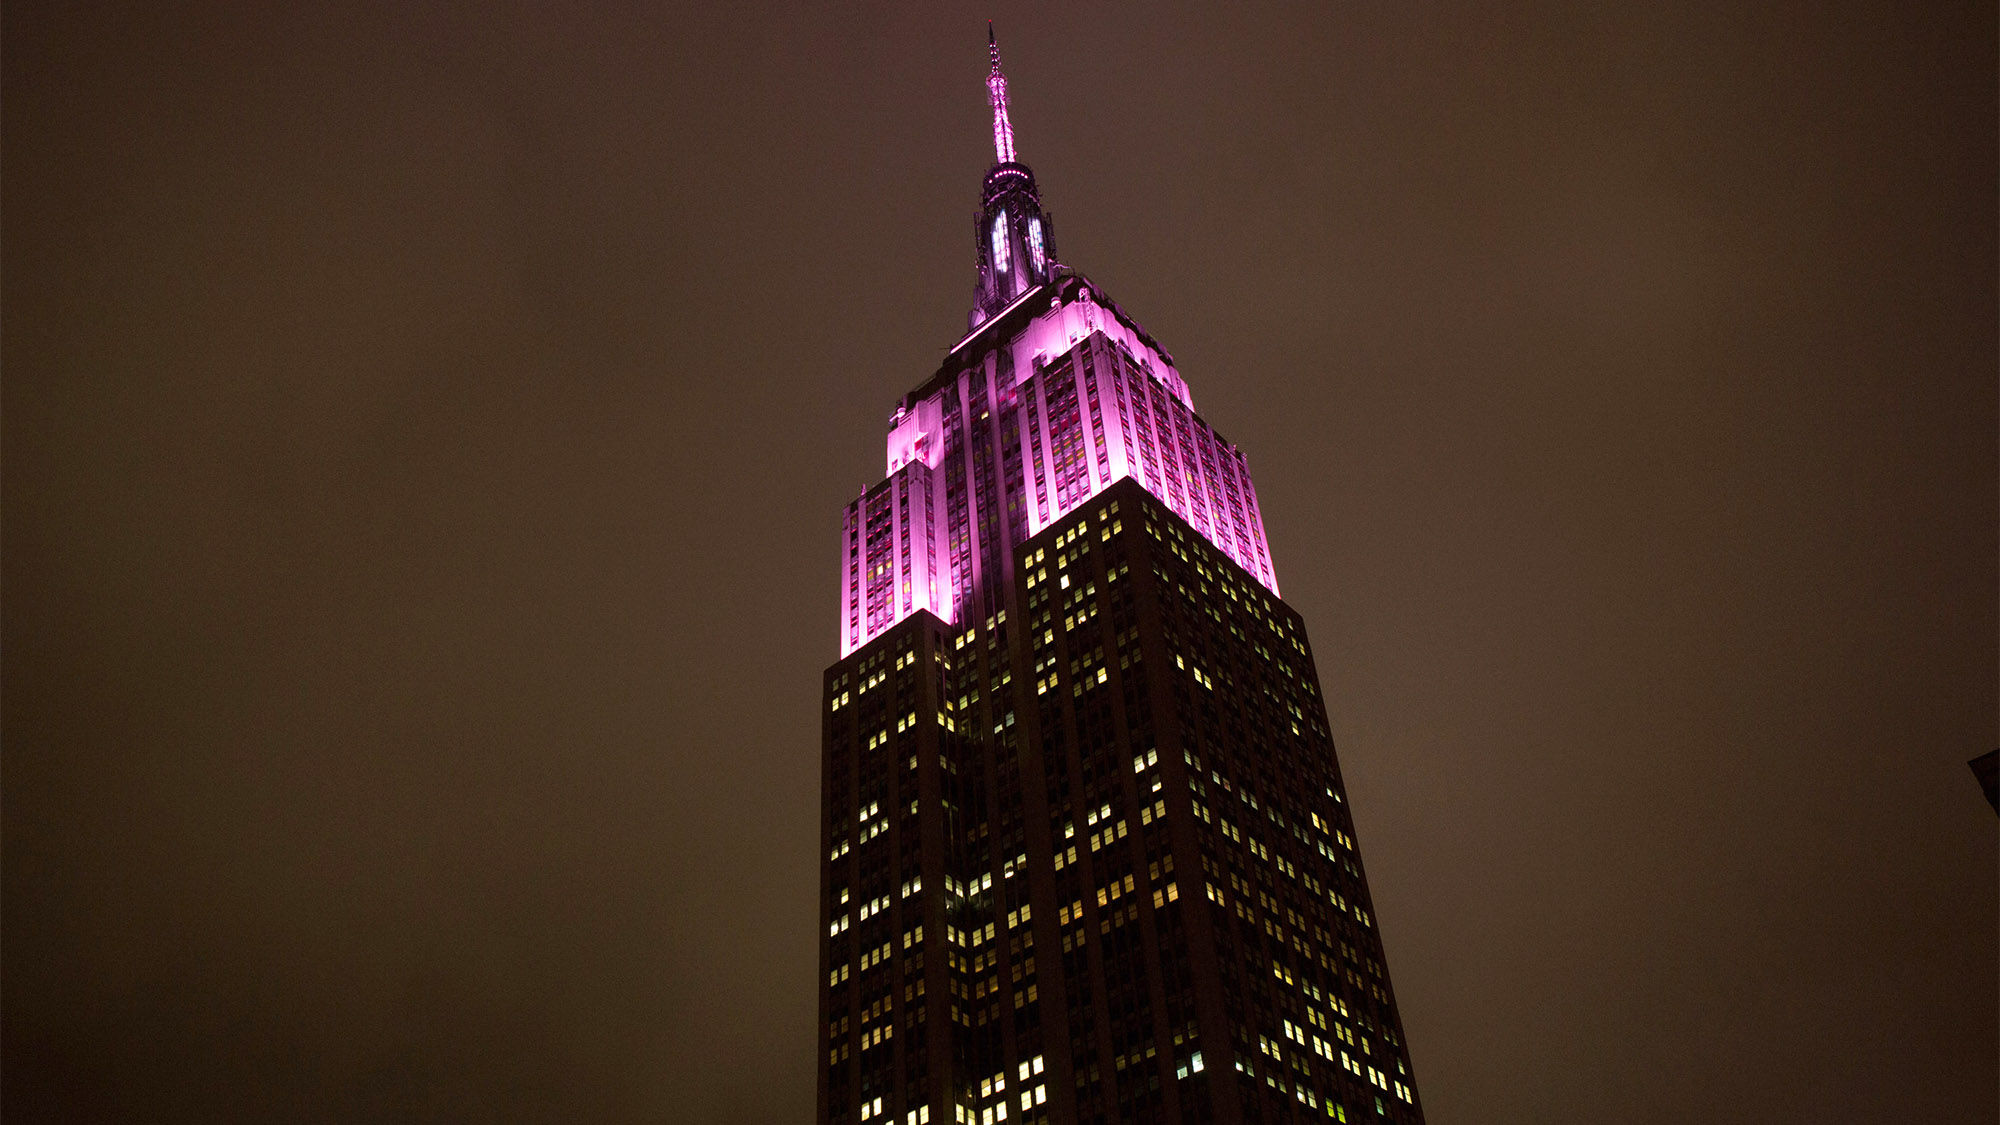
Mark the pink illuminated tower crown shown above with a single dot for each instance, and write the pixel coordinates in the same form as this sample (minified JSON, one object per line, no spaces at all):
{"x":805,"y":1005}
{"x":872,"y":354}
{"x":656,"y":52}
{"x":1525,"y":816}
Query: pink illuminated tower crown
{"x":1053,"y":393}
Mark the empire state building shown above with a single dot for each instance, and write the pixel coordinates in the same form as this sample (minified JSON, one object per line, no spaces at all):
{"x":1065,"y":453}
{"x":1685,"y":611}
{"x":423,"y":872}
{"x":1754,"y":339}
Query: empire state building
{"x":1087,"y":852}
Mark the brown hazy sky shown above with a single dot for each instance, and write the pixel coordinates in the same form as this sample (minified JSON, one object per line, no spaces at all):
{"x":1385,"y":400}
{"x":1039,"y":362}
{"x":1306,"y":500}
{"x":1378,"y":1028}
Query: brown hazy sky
{"x":426,"y":427}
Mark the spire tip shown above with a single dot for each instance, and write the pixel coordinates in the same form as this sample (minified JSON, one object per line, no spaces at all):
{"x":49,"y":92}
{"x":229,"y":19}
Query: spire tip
{"x":996,"y":87}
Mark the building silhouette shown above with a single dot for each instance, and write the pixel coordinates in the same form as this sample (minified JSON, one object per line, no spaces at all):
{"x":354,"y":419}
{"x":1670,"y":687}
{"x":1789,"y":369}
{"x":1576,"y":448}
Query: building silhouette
{"x":1986,"y":768}
{"x":1088,"y":856}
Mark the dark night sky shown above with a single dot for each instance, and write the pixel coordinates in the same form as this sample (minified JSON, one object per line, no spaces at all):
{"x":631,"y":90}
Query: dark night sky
{"x":426,"y":428}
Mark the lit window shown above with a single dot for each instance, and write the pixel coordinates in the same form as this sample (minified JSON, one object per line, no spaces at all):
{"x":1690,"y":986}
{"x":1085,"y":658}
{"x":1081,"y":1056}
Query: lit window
{"x":1000,"y":242}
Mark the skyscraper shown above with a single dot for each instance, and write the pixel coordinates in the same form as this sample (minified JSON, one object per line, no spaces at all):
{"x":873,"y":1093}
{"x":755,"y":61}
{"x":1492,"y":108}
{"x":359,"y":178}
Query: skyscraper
{"x":1088,"y":855}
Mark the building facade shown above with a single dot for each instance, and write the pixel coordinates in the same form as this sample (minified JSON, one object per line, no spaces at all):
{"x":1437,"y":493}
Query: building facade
{"x":1088,"y":855}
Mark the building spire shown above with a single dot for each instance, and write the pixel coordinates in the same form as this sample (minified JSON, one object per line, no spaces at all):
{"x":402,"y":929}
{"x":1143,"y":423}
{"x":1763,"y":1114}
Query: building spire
{"x":1017,"y":248}
{"x":996,"y":90}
